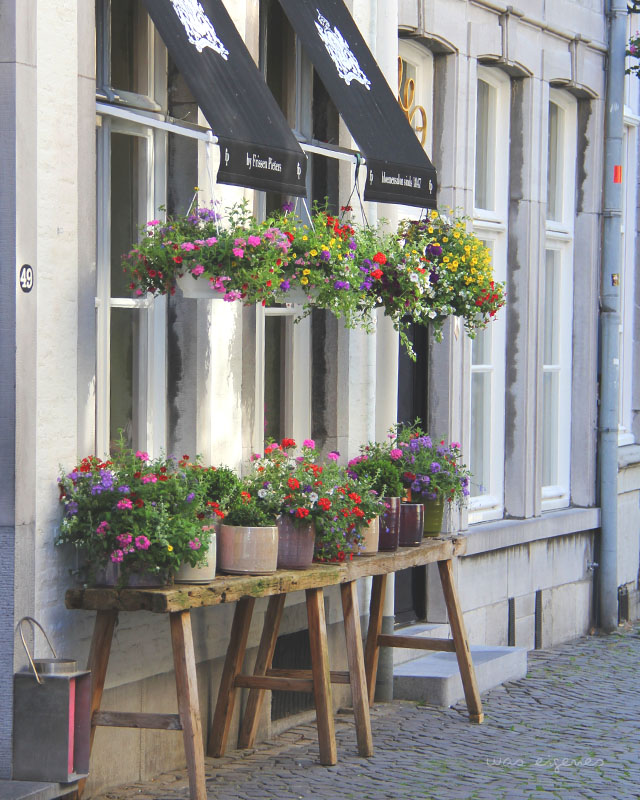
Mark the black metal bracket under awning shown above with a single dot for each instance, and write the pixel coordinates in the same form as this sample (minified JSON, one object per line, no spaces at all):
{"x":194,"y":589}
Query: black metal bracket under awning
{"x":257,"y":147}
{"x":398,"y":169}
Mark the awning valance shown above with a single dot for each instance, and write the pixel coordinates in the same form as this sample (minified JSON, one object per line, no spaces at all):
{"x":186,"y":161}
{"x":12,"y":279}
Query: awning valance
{"x":257,"y":147}
{"x":398,"y":169}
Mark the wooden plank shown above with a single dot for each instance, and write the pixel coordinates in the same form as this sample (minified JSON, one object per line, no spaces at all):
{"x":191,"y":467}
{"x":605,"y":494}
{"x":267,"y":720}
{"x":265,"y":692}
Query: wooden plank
{"x":219,"y":733}
{"x":184,"y":662}
{"x":134,"y":719}
{"x":321,"y":678}
{"x":272,"y":683}
{"x":458,"y":630}
{"x":249,"y":727}
{"x":355,"y":659}
{"x":337,"y":676}
{"x":372,"y":650}
{"x":229,"y":588}
{"x":417,"y":643}
{"x":97,"y":662}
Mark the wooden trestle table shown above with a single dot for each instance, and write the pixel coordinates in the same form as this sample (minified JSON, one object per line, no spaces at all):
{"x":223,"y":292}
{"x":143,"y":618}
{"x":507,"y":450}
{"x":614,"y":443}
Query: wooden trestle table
{"x":178,"y":600}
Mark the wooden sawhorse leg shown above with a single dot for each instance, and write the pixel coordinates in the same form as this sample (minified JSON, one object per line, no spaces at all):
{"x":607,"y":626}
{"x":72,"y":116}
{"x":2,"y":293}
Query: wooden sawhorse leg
{"x":188,"y":718}
{"x":458,"y":644}
{"x":461,"y":642}
{"x":357,"y":675}
{"x":321,"y":677}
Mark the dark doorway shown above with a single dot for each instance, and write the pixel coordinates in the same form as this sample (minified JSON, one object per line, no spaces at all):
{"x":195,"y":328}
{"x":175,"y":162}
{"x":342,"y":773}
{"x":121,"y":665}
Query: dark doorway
{"x":410,"y":584}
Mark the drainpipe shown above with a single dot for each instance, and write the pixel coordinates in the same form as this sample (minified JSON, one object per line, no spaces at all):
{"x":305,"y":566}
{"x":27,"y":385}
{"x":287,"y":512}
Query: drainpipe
{"x":610,"y":316}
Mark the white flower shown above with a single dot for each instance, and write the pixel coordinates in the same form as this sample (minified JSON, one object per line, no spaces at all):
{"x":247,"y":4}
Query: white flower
{"x":262,"y":493}
{"x":414,"y":277}
{"x":313,"y":497}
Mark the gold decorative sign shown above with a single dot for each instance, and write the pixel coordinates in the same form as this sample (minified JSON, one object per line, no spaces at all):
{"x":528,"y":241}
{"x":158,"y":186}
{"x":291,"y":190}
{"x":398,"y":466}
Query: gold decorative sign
{"x":406,"y":98}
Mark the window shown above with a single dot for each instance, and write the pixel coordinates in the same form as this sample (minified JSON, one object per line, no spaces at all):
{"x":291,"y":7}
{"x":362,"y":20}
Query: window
{"x":487,"y":370}
{"x":627,"y":283}
{"x":557,"y":296}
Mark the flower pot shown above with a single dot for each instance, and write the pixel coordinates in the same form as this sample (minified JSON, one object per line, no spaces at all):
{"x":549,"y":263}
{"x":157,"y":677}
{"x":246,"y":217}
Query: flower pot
{"x":411,"y":524}
{"x":247,"y":550}
{"x":390,"y":524}
{"x":433,"y":513}
{"x":112,"y":575}
{"x":370,"y":535}
{"x":296,"y":542}
{"x":197,"y":288}
{"x":202,"y":573}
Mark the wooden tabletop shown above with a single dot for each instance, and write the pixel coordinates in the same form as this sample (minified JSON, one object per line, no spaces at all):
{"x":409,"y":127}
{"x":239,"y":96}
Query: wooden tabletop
{"x":230,"y":588}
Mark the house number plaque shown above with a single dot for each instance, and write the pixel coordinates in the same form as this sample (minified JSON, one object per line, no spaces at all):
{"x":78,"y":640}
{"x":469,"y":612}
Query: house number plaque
{"x":26,"y":277}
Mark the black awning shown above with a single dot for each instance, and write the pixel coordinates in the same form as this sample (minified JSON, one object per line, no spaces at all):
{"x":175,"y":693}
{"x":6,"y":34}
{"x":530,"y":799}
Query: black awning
{"x":399,"y":171}
{"x":257,"y":147}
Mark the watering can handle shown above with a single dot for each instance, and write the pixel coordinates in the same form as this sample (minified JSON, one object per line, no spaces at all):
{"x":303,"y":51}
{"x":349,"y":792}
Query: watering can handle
{"x":26,"y":647}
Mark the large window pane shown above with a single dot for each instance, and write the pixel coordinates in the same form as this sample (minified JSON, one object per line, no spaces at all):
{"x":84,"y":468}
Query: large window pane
{"x":274,"y":394}
{"x":550,"y":409}
{"x":129,"y":46}
{"x":555,"y":163}
{"x":485,"y":146}
{"x":480,"y":460}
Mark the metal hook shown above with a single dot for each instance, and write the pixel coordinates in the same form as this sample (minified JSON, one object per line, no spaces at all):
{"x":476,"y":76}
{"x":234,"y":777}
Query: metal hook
{"x":24,"y":643}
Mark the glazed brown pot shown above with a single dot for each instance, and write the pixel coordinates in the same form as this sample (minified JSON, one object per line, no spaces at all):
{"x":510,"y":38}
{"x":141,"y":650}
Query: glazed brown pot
{"x":390,"y":524}
{"x":247,"y":550}
{"x":411,"y":524}
{"x":296,"y":543}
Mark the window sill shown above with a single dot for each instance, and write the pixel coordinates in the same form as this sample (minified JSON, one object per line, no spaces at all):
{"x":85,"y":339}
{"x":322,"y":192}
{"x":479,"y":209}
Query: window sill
{"x":484,"y":537}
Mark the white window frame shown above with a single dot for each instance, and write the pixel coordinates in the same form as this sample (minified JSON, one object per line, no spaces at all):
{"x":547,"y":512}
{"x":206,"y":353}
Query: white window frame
{"x":151,"y":397}
{"x":559,"y":237}
{"x":491,"y":226}
{"x":628,"y":279}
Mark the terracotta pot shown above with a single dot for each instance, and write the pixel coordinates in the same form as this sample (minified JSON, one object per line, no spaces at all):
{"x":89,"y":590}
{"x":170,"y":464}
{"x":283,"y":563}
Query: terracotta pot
{"x":370,"y":535}
{"x":247,"y":550}
{"x":433,"y":514}
{"x":296,"y":543}
{"x":390,"y":524}
{"x":202,"y":573}
{"x":411,"y":524}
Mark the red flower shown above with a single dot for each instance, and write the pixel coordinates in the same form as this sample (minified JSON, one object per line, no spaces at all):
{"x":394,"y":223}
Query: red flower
{"x":178,"y":259}
{"x":293,"y":483}
{"x":139,"y":503}
{"x":137,"y":474}
{"x":324,"y":503}
{"x":380,"y":258}
{"x":341,"y":555}
{"x":301,"y":513}
{"x":286,"y":443}
{"x":355,"y":497}
{"x":357,"y":512}
{"x":376,"y":274}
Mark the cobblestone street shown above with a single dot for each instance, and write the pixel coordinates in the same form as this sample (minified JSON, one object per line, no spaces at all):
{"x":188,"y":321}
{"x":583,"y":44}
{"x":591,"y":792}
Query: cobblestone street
{"x":569,"y":730}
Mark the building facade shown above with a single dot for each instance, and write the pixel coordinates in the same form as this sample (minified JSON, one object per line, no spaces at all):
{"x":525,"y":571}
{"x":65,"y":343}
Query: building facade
{"x":510,"y":106}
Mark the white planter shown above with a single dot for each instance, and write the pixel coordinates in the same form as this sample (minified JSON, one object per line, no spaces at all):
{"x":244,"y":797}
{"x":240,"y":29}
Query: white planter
{"x":203,"y":573}
{"x":198,"y":288}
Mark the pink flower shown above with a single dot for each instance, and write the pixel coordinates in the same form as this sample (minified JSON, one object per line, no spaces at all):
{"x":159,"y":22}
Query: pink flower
{"x":197,"y":270}
{"x":153,"y":222}
{"x":187,"y":246}
{"x":103,"y":527}
{"x":211,"y":241}
{"x":256,"y":457}
{"x":238,"y":252}
{"x":124,"y":538}
{"x":196,"y":544}
{"x":117,"y":556}
{"x":125,"y":503}
{"x":219,"y":282}
{"x":254,"y":241}
{"x":142,"y":455}
{"x":239,"y":242}
{"x":151,"y":478}
{"x":396,"y":454}
{"x":309,"y":443}
{"x":234,"y":294}
{"x":142,"y":543}
{"x":333,"y":456}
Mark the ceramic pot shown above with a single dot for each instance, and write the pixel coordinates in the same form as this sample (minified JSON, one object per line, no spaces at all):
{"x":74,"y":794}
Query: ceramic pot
{"x":411,"y":524}
{"x":112,"y":575}
{"x":390,"y":524}
{"x":370,"y":535}
{"x":296,"y":543}
{"x":433,"y":514}
{"x":202,"y":573}
{"x":247,"y":550}
{"x":197,"y":288}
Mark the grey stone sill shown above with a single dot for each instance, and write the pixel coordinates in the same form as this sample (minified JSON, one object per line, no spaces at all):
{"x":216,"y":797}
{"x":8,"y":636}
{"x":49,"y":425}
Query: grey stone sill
{"x":484,"y":537}
{"x":628,"y":456}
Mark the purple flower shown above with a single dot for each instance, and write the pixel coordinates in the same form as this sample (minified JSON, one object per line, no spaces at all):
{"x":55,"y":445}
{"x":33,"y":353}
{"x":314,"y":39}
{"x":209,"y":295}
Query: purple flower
{"x":106,"y":478}
{"x":97,"y":489}
{"x":124,"y":489}
{"x":352,"y":244}
{"x":73,"y":476}
{"x":341,"y":285}
{"x":190,"y":497}
{"x":435,"y":467}
{"x":416,"y":486}
{"x":365,"y":286}
{"x":287,"y":208}
{"x":425,"y":479}
{"x":325,"y":255}
{"x":72,"y":508}
{"x":433,"y":277}
{"x":433,"y":250}
{"x":285,"y":285}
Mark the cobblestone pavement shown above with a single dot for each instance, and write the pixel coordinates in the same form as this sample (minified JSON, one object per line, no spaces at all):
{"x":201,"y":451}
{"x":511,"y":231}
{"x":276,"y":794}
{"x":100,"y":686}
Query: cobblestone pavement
{"x":568,"y":730}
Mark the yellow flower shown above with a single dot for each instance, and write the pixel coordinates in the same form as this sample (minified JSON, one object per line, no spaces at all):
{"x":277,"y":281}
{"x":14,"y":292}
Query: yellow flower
{"x":305,"y":237}
{"x":446,"y":259}
{"x":306,"y":272}
{"x":332,"y":242}
{"x":445,"y":238}
{"x":294,"y":255}
{"x":169,"y":547}
{"x":429,"y":229}
{"x":313,"y":252}
{"x":304,"y":281}
{"x":434,"y":214}
{"x":324,"y":247}
{"x":456,"y":235}
{"x":339,"y":257}
{"x":467,"y":249}
{"x":455,"y":263}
